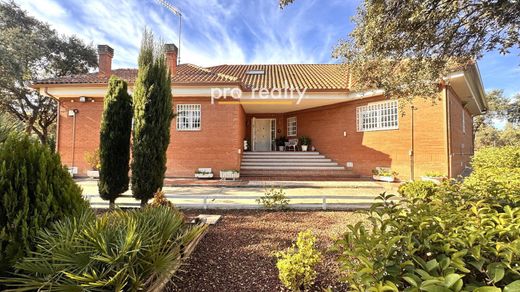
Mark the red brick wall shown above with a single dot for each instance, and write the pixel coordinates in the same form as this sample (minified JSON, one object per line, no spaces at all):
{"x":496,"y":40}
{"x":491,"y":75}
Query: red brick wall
{"x":88,"y":121}
{"x":389,"y":148}
{"x":216,"y":145}
{"x":461,"y":142}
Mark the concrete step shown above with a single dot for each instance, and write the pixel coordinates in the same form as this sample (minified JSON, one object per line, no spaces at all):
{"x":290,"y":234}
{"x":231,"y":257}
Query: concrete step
{"x":286,"y":160}
{"x":298,"y":173}
{"x":248,"y":153}
{"x":292,"y":163}
{"x":284,"y":157}
{"x":291,"y":167}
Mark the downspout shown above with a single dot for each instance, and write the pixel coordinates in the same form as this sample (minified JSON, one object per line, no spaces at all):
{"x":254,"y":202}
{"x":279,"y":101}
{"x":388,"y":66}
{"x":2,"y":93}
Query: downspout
{"x":448,"y":128}
{"x":57,"y":118}
{"x":412,"y":146}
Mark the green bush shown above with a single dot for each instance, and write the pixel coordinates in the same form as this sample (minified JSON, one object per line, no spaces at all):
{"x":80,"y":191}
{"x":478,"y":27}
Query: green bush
{"x":118,"y":251}
{"x":497,"y":157}
{"x":274,"y":199}
{"x":35,"y":190}
{"x":296,"y":265}
{"x":417,"y":189}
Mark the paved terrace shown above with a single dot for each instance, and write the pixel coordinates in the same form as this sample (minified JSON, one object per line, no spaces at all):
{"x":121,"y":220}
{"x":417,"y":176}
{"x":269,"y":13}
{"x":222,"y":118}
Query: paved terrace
{"x":216,"y":194}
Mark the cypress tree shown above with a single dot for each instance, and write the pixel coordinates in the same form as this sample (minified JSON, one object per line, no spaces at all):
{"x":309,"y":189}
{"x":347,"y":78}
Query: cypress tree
{"x":114,"y":150}
{"x":152,"y":117}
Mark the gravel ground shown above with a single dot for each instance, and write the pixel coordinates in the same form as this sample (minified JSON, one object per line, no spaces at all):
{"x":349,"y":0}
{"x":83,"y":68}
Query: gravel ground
{"x":237,"y":253}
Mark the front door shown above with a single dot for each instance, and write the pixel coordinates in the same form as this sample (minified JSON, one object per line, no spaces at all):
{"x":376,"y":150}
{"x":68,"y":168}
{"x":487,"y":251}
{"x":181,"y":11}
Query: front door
{"x":262,"y":135}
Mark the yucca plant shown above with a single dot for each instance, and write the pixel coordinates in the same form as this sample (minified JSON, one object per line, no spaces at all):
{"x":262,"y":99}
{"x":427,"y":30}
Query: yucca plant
{"x":118,"y":251}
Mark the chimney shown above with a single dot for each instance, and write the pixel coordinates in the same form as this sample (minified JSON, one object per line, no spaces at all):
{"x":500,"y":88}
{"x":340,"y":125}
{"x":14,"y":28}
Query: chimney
{"x":170,"y":52}
{"x":105,"y":54}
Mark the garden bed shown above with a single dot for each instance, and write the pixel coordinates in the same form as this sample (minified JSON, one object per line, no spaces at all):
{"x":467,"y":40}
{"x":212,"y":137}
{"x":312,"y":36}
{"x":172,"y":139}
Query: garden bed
{"x":237,"y":253}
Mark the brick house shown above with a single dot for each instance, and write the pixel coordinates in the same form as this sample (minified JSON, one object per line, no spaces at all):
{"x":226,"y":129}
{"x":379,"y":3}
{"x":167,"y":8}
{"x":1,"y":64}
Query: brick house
{"x":351,"y":132}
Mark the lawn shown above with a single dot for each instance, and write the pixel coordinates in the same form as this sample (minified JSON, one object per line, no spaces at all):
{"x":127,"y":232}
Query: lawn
{"x":237,"y":253}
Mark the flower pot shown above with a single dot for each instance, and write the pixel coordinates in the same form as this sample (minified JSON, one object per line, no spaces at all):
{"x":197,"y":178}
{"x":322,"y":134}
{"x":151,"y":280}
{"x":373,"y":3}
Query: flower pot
{"x":384,"y":178}
{"x":229,"y":174}
{"x":204,"y":175}
{"x":281,"y":148}
{"x":93,"y":173}
{"x":305,"y":147}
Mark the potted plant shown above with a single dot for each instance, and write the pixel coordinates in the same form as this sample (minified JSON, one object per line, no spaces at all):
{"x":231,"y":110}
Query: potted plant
{"x":204,"y":173}
{"x":435,"y":177}
{"x":305,"y":142}
{"x":229,"y":174}
{"x":92,"y":158}
{"x":384,"y":174}
{"x":280,"y":143}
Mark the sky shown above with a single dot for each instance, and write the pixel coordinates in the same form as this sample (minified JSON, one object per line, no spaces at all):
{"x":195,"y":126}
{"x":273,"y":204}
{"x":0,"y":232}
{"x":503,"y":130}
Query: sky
{"x":231,"y":31}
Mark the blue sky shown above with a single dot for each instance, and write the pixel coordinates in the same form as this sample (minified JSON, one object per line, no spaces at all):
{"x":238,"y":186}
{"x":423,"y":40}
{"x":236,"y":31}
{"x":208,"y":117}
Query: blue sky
{"x":231,"y":31}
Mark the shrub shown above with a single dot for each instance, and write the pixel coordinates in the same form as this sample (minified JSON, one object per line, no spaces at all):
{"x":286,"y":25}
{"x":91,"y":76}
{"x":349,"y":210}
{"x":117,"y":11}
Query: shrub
{"x":417,"y":189}
{"x":152,"y":119}
{"x":35,"y":190}
{"x":494,"y":157}
{"x":114,"y":140}
{"x":274,"y":199}
{"x":92,"y":159}
{"x":442,"y":244}
{"x":296,"y":265}
{"x":434,"y":174}
{"x":118,"y":251}
{"x":159,"y":199}
{"x":383,"y":171}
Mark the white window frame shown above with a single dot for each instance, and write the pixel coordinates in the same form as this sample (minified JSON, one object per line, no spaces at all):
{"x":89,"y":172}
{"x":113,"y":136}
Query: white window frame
{"x":193,"y":112}
{"x":289,"y":126}
{"x":378,"y":116}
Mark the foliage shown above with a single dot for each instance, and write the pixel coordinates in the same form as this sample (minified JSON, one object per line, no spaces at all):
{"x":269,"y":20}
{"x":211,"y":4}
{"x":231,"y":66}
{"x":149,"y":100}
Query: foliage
{"x":413,"y":43}
{"x":384,"y":171}
{"x":29,"y":50}
{"x":451,"y":237}
{"x":418,"y":189}
{"x":152,"y":118}
{"x":93,"y":159}
{"x":513,"y":112}
{"x":498,"y":105}
{"x":280,"y":141}
{"x":304,"y":140}
{"x":490,"y":136}
{"x":159,"y":199}
{"x":35,"y":190}
{"x":274,"y":199}
{"x":116,"y":125}
{"x":117,"y":251}
{"x":296,"y":265}
{"x":434,"y":174}
{"x":8,"y":126}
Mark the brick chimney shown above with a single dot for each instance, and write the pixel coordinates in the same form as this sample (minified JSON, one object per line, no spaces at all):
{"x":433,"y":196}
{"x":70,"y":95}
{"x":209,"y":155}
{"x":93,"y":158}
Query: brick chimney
{"x":170,"y":52}
{"x":105,"y":54}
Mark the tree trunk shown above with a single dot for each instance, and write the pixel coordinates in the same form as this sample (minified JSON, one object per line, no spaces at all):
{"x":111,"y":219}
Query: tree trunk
{"x":143,"y":203}
{"x":112,"y":204}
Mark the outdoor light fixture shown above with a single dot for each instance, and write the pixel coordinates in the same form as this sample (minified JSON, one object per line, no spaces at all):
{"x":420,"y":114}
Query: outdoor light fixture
{"x":82,"y":99}
{"x":177,"y":12}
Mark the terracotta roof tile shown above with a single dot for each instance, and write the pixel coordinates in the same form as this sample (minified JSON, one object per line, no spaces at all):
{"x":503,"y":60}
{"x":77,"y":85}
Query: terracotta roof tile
{"x":310,"y":76}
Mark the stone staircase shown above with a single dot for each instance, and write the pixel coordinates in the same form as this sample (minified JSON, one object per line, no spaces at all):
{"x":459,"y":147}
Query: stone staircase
{"x":291,"y":164}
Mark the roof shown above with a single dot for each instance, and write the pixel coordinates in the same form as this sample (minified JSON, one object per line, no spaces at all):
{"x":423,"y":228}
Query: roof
{"x":279,"y":76}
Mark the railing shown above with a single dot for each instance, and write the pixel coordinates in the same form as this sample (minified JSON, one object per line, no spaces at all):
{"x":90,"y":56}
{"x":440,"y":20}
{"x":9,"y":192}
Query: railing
{"x":322,"y":202}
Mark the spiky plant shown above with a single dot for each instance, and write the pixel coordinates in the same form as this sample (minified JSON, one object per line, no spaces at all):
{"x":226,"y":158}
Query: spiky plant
{"x":118,"y":251}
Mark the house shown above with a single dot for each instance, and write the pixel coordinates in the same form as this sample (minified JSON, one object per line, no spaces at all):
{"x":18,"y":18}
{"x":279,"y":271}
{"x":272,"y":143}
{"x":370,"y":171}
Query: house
{"x":221,"y":107}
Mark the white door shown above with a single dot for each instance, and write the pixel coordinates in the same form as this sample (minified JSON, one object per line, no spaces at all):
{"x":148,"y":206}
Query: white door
{"x":262,"y":134}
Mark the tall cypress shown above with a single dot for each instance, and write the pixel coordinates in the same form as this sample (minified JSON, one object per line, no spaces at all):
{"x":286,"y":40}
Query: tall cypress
{"x":114,"y":150}
{"x":152,"y":117}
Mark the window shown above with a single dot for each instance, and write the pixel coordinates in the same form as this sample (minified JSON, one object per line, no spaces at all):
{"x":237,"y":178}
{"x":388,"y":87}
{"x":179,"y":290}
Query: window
{"x":188,"y":117}
{"x":291,"y":126}
{"x":377,"y":116}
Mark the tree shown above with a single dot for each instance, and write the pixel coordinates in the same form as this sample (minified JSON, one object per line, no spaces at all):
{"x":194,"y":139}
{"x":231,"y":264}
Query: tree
{"x":513,"y":112}
{"x":35,"y":191}
{"x":152,"y":117}
{"x":114,"y":147}
{"x":29,"y":50}
{"x":498,"y":107}
{"x":406,"y":47}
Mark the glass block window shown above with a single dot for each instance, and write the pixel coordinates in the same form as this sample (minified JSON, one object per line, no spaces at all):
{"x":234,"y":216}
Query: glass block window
{"x":377,"y":116}
{"x":188,"y":117}
{"x":291,"y":126}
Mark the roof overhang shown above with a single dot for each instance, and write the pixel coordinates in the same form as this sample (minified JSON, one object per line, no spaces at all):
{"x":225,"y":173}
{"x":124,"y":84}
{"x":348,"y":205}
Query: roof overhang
{"x":468,"y":86}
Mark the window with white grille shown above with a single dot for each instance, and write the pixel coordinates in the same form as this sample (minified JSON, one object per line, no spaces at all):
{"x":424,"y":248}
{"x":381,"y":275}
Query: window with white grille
{"x":188,"y":117}
{"x":291,"y":126}
{"x":377,"y":116}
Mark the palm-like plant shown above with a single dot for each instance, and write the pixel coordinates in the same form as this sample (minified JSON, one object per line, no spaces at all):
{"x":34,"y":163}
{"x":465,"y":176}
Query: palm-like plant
{"x":118,"y":251}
